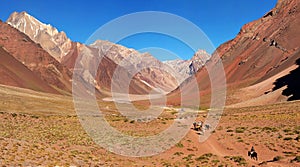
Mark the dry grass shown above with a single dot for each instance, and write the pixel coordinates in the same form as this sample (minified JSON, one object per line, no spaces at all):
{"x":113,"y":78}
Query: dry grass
{"x":43,"y":129}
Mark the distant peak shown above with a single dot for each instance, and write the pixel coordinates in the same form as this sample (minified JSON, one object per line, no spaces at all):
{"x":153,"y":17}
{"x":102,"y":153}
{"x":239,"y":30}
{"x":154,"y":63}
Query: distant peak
{"x":102,"y":42}
{"x":201,"y":51}
{"x":54,"y":42}
{"x":23,"y":13}
{"x":18,"y":14}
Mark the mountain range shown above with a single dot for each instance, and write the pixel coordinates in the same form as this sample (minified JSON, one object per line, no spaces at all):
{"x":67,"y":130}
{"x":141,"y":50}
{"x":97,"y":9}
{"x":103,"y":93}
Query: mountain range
{"x":37,"y":56}
{"x":150,"y":72}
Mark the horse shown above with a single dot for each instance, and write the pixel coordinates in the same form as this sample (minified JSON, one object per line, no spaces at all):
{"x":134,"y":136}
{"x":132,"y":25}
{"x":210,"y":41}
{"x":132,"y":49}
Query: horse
{"x":253,"y":155}
{"x":207,"y":126}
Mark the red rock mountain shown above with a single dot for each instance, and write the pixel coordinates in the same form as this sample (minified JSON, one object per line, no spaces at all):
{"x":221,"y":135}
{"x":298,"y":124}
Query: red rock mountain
{"x":92,"y":60}
{"x":35,"y":58}
{"x":14,"y":73}
{"x":65,"y":51}
{"x":258,"y":54}
{"x":143,"y":66}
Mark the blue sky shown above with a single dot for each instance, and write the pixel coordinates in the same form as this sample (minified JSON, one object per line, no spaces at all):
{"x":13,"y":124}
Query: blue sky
{"x":220,"y":20}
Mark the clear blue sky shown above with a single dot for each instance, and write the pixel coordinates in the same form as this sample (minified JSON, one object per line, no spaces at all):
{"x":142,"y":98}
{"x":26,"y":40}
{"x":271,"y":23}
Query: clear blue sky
{"x":221,"y":20}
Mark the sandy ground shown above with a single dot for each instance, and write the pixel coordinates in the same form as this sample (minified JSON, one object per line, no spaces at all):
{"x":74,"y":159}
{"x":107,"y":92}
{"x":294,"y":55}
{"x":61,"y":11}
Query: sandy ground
{"x":261,"y":93}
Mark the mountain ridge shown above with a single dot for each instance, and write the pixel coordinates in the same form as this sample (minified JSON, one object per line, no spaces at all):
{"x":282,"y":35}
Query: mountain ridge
{"x":54,"y":42}
{"x":35,"y":58}
{"x":259,"y":50}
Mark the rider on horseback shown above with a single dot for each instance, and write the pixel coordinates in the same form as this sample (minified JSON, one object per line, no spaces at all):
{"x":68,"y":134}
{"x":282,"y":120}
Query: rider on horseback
{"x":252,"y":149}
{"x":252,"y":153}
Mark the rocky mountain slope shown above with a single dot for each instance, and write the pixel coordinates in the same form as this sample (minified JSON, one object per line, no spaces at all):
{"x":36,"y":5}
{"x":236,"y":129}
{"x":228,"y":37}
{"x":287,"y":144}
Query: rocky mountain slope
{"x":55,"y":43}
{"x":35,"y":58}
{"x":262,"y":49}
{"x":146,"y":68}
{"x":97,"y":69}
{"x":185,"y":68}
{"x":14,"y":73}
{"x":141,"y":65}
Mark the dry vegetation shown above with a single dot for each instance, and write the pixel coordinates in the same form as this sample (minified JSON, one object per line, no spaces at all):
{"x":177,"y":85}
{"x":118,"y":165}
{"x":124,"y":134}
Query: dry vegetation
{"x":43,"y":129}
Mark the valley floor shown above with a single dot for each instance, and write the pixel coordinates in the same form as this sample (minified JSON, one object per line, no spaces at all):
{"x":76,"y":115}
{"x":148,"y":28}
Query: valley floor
{"x":43,"y":129}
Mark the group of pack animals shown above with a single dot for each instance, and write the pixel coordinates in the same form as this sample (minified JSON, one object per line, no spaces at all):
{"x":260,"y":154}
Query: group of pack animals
{"x":198,"y":126}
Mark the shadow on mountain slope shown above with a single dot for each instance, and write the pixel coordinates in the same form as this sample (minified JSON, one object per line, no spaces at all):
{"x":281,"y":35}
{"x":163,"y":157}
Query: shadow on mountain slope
{"x":292,"y":81}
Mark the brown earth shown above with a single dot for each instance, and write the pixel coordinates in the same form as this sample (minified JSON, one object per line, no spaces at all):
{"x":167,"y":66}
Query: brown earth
{"x":43,"y":129}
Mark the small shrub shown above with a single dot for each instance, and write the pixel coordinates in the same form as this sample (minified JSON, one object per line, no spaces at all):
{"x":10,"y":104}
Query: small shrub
{"x":256,"y":127}
{"x":240,"y":130}
{"x":220,"y":128}
{"x":290,"y":133}
{"x":174,"y":112}
{"x":215,"y":161}
{"x":297,"y":132}
{"x":180,"y":145}
{"x":208,"y":155}
{"x":166,"y":164}
{"x":269,"y":129}
{"x":238,"y":159}
{"x":229,"y":130}
{"x":189,"y":157}
{"x":240,"y":140}
{"x":289,"y":153}
{"x":277,"y":158}
{"x":178,"y":153}
{"x":287,"y":138}
{"x":132,"y":121}
{"x":297,"y":138}
{"x":34,"y":116}
{"x":204,"y":157}
{"x":297,"y":159}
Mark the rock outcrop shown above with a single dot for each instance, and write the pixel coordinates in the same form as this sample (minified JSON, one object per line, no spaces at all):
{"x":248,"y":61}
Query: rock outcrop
{"x":35,"y":58}
{"x":14,"y":73}
{"x":54,"y":42}
{"x":144,"y":66}
{"x":186,"y":68}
